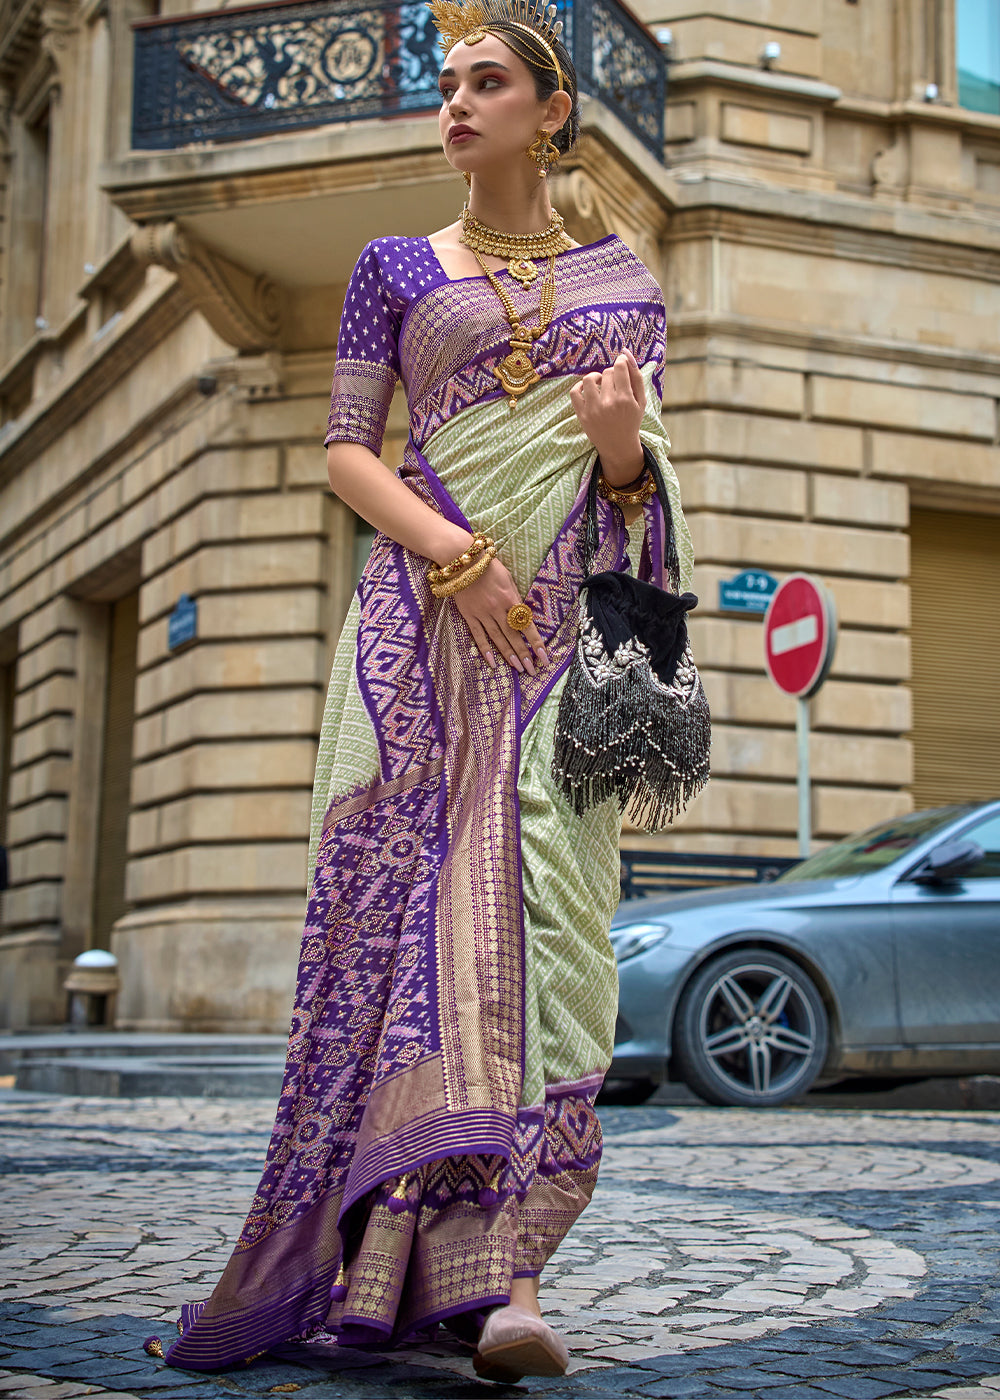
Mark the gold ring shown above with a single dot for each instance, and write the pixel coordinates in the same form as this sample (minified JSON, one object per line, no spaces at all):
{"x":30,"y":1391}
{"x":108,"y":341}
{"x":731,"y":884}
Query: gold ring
{"x":520,"y":617}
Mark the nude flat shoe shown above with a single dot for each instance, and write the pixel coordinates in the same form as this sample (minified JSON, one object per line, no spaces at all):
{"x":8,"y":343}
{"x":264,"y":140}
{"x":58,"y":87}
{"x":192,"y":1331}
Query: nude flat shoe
{"x":514,"y":1343}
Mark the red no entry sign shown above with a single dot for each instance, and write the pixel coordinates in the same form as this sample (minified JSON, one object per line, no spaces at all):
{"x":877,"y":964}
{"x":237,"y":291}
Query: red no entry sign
{"x":800,"y":634}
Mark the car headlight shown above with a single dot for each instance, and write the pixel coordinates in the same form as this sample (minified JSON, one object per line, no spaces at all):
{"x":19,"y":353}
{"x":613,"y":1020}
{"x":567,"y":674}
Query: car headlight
{"x":632,"y":939}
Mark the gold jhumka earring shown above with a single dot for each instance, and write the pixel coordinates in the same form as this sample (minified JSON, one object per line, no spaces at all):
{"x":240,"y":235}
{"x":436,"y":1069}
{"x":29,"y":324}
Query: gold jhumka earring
{"x":543,"y":152}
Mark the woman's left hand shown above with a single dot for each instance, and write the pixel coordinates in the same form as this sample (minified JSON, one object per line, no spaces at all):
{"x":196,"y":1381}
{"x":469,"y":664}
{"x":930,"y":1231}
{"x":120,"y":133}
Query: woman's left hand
{"x":610,"y":407}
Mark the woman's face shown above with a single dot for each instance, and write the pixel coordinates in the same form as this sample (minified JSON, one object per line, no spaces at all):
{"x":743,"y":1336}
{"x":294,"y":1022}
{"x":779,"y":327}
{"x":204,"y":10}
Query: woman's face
{"x":490,"y":112}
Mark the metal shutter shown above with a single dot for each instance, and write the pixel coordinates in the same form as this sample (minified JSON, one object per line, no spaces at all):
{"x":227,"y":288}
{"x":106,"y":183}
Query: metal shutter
{"x":955,"y":595}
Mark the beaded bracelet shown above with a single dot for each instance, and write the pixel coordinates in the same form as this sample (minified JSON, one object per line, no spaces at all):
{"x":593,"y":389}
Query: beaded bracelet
{"x":635,"y":494}
{"x":469,"y":575}
{"x":436,"y":574}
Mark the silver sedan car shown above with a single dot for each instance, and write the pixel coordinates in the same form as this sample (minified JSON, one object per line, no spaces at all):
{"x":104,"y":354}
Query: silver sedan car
{"x":879,"y":955}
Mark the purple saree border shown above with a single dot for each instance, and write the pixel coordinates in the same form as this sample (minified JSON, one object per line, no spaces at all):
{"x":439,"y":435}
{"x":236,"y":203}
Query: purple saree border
{"x":482,"y":1131}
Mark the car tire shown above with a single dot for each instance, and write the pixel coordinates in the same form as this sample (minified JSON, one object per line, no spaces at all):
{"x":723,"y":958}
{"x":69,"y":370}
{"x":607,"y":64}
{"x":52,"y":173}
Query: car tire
{"x":751,"y":1030}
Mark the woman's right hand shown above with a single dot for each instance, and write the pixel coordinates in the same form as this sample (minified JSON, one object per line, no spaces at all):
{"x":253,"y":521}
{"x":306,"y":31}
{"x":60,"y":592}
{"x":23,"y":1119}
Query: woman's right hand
{"x":485,"y":605}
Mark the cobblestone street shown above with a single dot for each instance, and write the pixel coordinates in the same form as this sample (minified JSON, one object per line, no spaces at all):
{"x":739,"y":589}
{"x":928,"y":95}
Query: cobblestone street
{"x":796,"y":1255}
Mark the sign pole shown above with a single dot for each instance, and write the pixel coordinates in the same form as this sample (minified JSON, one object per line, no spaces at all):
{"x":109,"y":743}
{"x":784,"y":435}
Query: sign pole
{"x":800,"y":636}
{"x":802,"y":737}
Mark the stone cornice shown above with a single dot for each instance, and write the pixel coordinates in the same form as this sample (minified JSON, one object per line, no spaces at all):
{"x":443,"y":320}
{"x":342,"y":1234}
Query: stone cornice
{"x":877,"y":230}
{"x":50,"y":417}
{"x":156,"y":186}
{"x":764,"y":81}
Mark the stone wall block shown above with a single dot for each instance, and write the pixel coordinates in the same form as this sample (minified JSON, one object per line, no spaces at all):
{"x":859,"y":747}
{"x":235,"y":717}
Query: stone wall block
{"x":871,"y":656}
{"x":53,"y":618}
{"x":827,"y":549}
{"x":726,"y":486}
{"x":218,"y":472}
{"x":854,"y":705}
{"x":290,"y":420}
{"x":46,"y":778}
{"x":56,"y":695}
{"x":743,"y":125}
{"x":39,"y":860}
{"x":893,"y":303}
{"x":802,"y":16}
{"x":101,"y":505}
{"x":746,"y":699}
{"x":28,"y":906}
{"x":724,"y":644}
{"x":733,"y":384}
{"x":278,"y":613}
{"x":262,"y":867}
{"x":901,"y":406}
{"x":236,"y":665}
{"x":262,"y":763}
{"x":752,"y":437}
{"x":57,"y":656}
{"x":255,"y":564}
{"x":305,"y":465}
{"x":49,"y":736}
{"x":234,"y":714}
{"x":771,"y":753}
{"x":36,"y":820}
{"x":837,"y":811}
{"x":839,"y":705}
{"x":907,"y":456}
{"x":214,"y":817}
{"x":177,"y":965}
{"x":864,"y":760}
{"x":871,"y":603}
{"x":740,"y":42}
{"x":860,"y":602}
{"x":865,"y":502}
{"x":729,"y":804}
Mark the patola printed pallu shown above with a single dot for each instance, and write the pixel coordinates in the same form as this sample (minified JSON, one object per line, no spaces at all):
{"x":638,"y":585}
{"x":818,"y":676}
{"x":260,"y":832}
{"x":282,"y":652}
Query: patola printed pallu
{"x":456,"y":998}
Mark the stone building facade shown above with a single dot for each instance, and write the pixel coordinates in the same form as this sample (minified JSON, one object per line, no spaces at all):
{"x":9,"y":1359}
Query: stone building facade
{"x":824,"y":217}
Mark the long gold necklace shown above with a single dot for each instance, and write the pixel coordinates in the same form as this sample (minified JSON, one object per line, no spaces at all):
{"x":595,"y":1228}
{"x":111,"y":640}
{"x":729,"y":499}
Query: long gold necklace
{"x":518,"y":248}
{"x":516,"y":371}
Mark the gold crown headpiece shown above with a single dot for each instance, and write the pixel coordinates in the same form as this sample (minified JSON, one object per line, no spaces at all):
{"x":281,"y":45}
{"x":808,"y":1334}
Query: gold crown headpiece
{"x":472,"y":21}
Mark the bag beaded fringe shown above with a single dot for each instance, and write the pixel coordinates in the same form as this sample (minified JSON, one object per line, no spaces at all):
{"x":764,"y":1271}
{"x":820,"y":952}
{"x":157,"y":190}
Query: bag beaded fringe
{"x":633,"y":720}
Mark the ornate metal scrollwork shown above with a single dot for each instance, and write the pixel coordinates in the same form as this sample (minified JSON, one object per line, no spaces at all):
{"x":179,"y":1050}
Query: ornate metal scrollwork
{"x":230,"y":76}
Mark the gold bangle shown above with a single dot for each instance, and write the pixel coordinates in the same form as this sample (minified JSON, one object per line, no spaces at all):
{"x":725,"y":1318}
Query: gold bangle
{"x":436,"y":573}
{"x":467,"y":577}
{"x":631,"y":495}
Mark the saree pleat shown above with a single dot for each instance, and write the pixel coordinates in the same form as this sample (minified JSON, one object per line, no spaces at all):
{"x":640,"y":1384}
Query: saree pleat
{"x":455,"y":1003}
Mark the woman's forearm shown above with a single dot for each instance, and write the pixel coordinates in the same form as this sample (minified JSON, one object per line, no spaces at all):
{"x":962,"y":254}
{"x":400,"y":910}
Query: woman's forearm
{"x":372,"y":491}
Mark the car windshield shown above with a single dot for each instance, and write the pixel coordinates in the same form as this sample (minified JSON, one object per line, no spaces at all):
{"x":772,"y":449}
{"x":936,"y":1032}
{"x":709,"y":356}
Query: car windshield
{"x":874,"y":848}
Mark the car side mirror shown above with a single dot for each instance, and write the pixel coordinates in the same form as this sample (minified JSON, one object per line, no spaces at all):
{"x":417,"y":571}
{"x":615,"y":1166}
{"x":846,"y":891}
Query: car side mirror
{"x":949,"y":861}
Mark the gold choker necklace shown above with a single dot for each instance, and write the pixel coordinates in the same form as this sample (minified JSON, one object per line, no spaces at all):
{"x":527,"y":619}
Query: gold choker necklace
{"x":518,"y":248}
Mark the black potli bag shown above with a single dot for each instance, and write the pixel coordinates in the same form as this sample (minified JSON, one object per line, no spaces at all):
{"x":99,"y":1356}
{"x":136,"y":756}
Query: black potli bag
{"x":633,"y":720}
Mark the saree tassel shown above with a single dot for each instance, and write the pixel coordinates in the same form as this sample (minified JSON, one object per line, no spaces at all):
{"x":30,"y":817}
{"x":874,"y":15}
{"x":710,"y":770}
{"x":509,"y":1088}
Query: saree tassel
{"x":152,"y":1346}
{"x":621,"y":734}
{"x":338,"y":1289}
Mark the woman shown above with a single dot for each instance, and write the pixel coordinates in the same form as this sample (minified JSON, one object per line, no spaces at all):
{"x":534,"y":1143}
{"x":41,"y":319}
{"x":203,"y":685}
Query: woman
{"x":436,"y":1134}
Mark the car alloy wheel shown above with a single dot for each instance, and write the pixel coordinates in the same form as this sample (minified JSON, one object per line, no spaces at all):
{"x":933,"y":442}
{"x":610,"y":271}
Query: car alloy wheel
{"x":751,"y":1029}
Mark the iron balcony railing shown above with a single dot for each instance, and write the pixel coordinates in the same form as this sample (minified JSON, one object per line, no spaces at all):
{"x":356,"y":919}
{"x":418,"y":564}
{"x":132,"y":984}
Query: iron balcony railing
{"x":233,"y":74}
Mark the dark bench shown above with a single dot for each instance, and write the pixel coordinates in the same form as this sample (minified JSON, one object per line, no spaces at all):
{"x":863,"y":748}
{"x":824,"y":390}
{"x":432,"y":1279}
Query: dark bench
{"x":662,"y":872}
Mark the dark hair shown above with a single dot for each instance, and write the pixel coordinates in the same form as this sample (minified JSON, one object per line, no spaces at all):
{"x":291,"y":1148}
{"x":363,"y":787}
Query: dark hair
{"x":535,"y":56}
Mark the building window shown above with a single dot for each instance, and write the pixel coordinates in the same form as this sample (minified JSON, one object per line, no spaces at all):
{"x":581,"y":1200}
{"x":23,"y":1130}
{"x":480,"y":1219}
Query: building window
{"x":978,"y":54}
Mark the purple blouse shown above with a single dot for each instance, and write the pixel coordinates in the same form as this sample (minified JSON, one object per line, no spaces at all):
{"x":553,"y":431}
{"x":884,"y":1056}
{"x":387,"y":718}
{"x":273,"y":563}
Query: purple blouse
{"x":404,"y":318}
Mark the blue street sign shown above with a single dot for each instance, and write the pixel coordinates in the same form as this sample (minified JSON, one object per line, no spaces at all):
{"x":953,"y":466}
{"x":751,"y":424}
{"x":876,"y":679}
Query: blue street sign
{"x":749,"y":591}
{"x":183,"y":624}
